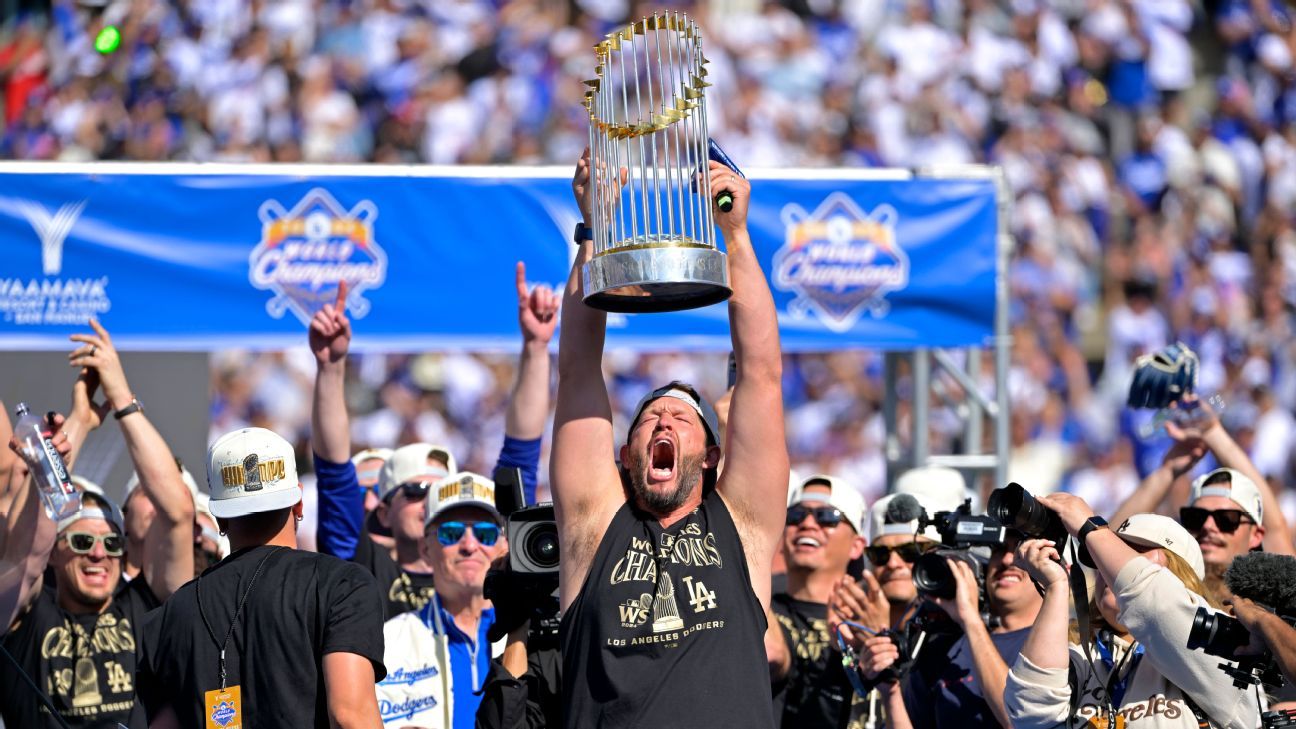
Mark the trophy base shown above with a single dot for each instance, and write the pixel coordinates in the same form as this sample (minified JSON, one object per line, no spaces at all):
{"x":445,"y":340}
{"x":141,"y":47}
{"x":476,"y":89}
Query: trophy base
{"x":647,"y":280}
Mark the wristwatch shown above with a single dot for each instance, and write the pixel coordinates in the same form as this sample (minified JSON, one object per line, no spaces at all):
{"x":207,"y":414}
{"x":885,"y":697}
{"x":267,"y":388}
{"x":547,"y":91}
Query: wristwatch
{"x":1091,"y":524}
{"x":583,"y":233}
{"x":133,"y":407}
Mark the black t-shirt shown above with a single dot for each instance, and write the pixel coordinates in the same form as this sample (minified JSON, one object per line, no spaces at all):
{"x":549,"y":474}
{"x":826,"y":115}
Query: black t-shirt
{"x":402,"y":591}
{"x":84,"y":663}
{"x":666,"y":631}
{"x":816,"y":692}
{"x":302,"y":606}
{"x":942,"y":689}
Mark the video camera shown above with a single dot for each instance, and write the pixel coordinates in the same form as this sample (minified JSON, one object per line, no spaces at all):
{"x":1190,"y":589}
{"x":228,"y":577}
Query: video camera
{"x":964,"y":538}
{"x":526,"y":588}
{"x":1220,"y":634}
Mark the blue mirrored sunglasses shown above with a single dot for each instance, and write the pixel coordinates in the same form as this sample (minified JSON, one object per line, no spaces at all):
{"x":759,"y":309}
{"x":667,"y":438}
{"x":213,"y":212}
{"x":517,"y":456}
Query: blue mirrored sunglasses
{"x":450,"y":532}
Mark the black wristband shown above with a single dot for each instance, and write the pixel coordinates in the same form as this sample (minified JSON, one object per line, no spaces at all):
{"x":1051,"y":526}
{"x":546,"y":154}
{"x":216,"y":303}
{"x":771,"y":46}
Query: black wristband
{"x":133,"y":407}
{"x":582,"y":233}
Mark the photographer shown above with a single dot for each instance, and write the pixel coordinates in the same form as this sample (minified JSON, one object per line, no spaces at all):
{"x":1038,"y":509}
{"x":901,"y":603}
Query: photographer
{"x":1141,"y":674}
{"x":1269,"y":633}
{"x":958,"y":681}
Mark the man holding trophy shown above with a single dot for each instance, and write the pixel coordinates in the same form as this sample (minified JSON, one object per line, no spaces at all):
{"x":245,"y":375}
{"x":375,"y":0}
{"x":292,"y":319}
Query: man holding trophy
{"x":665,"y":573}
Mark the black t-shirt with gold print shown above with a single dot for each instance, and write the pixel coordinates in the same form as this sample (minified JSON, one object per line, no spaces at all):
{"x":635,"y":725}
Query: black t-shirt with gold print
{"x":84,"y":663}
{"x":402,"y":591}
{"x":816,"y":693}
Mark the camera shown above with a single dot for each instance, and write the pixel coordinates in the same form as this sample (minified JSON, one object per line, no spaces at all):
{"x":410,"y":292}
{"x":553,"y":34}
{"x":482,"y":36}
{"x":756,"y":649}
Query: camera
{"x":926,"y":622}
{"x":1015,"y":508}
{"x":1220,"y":634}
{"x":533,"y":541}
{"x":965,"y":538}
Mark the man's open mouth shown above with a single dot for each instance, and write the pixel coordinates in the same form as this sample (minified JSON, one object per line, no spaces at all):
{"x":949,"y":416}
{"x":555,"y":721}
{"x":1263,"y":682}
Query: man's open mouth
{"x":662,"y":459}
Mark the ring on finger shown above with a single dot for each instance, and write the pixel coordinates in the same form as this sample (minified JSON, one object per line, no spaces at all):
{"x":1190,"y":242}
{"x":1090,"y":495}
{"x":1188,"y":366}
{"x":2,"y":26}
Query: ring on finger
{"x":93,"y":348}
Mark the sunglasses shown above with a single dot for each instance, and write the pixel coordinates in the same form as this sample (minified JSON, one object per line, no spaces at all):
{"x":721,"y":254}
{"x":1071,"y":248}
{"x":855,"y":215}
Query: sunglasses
{"x":450,"y":532}
{"x":413,"y":491}
{"x":1226,"y":520}
{"x":83,"y":542}
{"x":824,"y":516}
{"x":909,"y":552}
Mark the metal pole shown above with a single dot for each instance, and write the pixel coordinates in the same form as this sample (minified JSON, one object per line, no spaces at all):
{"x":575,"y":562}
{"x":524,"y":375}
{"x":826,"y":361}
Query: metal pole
{"x":634,"y":65}
{"x":891,"y":446}
{"x":1003,"y":338}
{"x":972,"y":430}
{"x":921,"y":378}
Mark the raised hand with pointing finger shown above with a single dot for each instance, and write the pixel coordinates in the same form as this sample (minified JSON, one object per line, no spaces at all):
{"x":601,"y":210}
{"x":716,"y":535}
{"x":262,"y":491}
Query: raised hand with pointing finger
{"x":537,"y":310}
{"x":330,"y":331}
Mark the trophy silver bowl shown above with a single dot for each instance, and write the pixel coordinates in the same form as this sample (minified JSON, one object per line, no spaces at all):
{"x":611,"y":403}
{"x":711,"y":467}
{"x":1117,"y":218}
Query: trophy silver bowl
{"x":654,"y":232}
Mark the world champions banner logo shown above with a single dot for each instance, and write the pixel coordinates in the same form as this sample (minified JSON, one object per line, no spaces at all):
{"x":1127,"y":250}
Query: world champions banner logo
{"x":306,"y":252}
{"x":840,"y":261}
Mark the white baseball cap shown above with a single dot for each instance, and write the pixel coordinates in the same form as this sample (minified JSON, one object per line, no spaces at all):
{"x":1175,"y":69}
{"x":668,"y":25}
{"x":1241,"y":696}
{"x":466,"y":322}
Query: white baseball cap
{"x":941,"y":484}
{"x":840,"y":495}
{"x":1154,"y":530}
{"x":461,"y":489}
{"x":1235,"y":487}
{"x":932,"y":500}
{"x":250,"y":471}
{"x":368,"y":454}
{"x":94,"y":505}
{"x":409,"y":464}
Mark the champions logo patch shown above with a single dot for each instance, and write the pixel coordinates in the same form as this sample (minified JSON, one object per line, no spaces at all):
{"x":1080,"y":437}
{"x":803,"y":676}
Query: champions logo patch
{"x":840,"y":261}
{"x":306,"y":252}
{"x":252,"y":474}
{"x":223,"y":714}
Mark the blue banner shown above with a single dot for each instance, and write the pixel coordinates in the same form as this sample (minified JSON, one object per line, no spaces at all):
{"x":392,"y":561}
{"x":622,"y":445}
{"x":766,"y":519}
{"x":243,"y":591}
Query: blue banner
{"x":188,"y":257}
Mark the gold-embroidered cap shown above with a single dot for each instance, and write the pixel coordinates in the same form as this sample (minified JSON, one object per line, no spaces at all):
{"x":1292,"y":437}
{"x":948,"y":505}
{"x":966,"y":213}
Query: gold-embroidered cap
{"x":409,"y":464}
{"x":461,"y":489}
{"x":250,"y":471}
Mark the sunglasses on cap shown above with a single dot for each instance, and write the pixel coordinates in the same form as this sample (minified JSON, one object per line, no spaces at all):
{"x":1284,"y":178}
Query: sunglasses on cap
{"x":84,"y":542}
{"x":909,"y":552}
{"x":824,"y":516}
{"x":450,"y":532}
{"x":1226,"y":520}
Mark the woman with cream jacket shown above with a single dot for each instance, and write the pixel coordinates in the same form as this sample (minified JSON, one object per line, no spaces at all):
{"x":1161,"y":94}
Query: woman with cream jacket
{"x":1143,"y":676}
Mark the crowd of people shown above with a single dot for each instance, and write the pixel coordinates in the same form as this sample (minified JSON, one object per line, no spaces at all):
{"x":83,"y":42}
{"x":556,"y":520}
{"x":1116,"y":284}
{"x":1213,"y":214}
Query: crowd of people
{"x":1150,"y":150}
{"x":699,"y":583}
{"x":1148,"y":144}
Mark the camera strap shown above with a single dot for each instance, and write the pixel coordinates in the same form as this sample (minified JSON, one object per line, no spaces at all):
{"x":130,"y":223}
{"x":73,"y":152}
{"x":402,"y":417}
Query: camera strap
{"x":1080,"y":594}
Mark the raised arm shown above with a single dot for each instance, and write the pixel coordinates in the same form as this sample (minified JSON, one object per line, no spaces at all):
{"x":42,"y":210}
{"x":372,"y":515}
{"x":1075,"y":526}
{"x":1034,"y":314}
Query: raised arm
{"x":168,"y":546}
{"x":582,"y":474}
{"x":1187,"y":450}
{"x":341,"y":502}
{"x":1277,"y":540}
{"x":28,"y":535}
{"x":755,"y":477}
{"x":330,"y":339}
{"x":528,"y":407}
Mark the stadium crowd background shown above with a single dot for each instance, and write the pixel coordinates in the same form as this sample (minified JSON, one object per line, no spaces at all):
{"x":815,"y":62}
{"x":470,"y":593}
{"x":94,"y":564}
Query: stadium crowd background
{"x":1150,"y":146}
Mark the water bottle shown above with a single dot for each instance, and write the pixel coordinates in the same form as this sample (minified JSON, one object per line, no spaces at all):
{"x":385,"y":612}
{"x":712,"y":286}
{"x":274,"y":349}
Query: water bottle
{"x":1187,"y":415}
{"x":60,"y":497}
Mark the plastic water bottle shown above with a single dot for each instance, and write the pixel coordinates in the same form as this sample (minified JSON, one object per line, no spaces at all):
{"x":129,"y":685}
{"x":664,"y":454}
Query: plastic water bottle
{"x":60,"y":497}
{"x":1187,"y":415}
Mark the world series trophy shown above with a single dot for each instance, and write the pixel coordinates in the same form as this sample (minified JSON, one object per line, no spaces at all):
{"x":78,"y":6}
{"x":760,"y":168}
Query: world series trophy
{"x":654,"y":232}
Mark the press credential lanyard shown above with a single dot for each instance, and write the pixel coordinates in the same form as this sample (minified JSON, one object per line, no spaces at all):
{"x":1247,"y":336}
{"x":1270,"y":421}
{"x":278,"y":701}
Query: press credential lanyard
{"x":237,"y":613}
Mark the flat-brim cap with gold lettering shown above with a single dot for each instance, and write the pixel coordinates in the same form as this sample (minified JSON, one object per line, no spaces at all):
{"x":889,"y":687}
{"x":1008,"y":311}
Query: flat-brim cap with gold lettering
{"x":250,"y":471}
{"x":461,"y":489}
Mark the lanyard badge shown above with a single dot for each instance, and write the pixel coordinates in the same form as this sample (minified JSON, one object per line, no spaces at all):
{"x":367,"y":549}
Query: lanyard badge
{"x":224,"y":708}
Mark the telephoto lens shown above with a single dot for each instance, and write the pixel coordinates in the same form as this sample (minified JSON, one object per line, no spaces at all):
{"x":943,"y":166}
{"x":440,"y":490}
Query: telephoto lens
{"x":932,"y":575}
{"x":1015,"y":508}
{"x":1217,"y":634}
